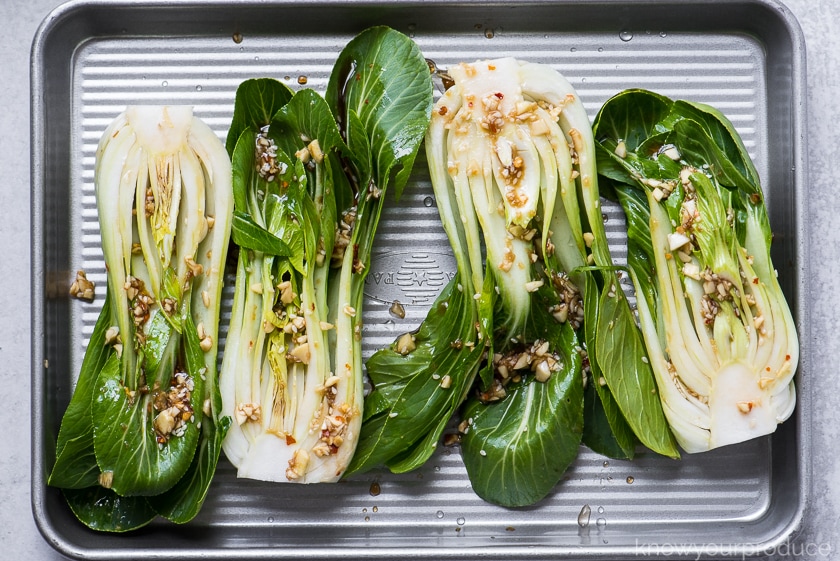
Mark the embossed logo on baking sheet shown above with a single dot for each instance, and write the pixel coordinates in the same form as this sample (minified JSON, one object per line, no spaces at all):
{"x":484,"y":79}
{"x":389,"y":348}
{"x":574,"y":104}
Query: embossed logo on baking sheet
{"x":412,"y":277}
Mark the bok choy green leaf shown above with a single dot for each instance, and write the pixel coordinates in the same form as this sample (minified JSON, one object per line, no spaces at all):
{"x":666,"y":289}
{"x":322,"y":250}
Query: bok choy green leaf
{"x":719,"y":333}
{"x":142,"y":435}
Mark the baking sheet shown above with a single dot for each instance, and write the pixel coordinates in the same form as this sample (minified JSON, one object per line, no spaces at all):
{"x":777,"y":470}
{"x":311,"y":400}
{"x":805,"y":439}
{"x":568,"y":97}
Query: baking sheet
{"x":91,"y":59}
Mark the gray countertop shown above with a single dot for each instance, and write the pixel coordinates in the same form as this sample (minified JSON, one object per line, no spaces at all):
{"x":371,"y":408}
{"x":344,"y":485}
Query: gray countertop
{"x":819,"y":539}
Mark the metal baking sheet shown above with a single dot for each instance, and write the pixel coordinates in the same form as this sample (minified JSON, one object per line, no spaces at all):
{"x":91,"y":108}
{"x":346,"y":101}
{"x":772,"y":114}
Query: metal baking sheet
{"x":92,"y":58}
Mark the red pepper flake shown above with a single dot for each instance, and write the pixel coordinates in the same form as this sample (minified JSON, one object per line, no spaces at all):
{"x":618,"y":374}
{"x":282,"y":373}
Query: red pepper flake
{"x":755,"y":280}
{"x":767,"y":369}
{"x":787,"y":357}
{"x":443,"y":110}
{"x":499,"y":95}
{"x":290,"y":440}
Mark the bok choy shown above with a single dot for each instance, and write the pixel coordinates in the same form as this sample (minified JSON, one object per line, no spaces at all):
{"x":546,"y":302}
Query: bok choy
{"x":718,"y":330}
{"x":310,"y":178}
{"x":512,"y":164}
{"x":141,"y":435}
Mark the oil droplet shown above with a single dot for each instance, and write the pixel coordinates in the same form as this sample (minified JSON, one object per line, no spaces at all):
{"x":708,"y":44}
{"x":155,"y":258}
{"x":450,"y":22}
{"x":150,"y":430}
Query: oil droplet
{"x":630,"y":479}
{"x":302,"y":80}
{"x":375,"y":489}
{"x":367,"y":518}
{"x":270,"y":519}
{"x":600,"y":510}
{"x":164,"y":83}
{"x":198,"y":88}
{"x":606,"y":464}
{"x":600,"y":49}
{"x":604,"y":217}
{"x":573,"y":50}
{"x":429,"y":201}
{"x":489,"y":33}
{"x":625,"y":35}
{"x":364,"y":510}
{"x":241,"y":49}
{"x":583,"y":79}
{"x":439,"y":514}
{"x":257,"y":57}
{"x":601,"y":522}
{"x":663,"y":34}
{"x":583,"y":517}
{"x":375,"y":509}
{"x":237,"y":37}
{"x":461,"y":521}
{"x":437,"y":468}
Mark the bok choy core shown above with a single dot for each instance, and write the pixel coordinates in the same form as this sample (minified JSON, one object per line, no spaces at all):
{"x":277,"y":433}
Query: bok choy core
{"x":512,"y":164}
{"x":141,"y":435}
{"x":310,"y":178}
{"x":718,"y":330}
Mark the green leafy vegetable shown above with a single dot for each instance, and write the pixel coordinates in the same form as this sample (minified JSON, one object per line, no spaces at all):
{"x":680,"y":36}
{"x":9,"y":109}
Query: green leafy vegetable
{"x":718,"y":331}
{"x":310,"y":175}
{"x":146,"y":399}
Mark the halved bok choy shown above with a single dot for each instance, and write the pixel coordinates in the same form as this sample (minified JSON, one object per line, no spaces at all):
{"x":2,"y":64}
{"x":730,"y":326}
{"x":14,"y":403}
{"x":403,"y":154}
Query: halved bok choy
{"x":718,"y":330}
{"x":141,"y":435}
{"x":310,"y":177}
